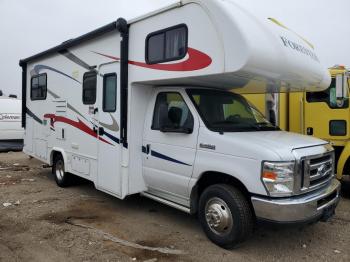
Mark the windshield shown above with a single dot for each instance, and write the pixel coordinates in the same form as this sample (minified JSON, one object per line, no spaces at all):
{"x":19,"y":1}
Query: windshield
{"x":223,"y":111}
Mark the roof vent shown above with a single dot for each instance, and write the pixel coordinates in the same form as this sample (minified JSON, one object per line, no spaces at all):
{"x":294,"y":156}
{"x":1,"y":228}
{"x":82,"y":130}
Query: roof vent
{"x":1,"y":94}
{"x":13,"y":96}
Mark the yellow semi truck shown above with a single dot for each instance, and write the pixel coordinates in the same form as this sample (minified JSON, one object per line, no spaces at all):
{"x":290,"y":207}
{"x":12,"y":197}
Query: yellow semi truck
{"x":325,"y":114}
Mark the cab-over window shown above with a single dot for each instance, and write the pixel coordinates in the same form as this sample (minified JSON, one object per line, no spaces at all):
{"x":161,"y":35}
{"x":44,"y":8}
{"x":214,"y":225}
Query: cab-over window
{"x":167,"y":45}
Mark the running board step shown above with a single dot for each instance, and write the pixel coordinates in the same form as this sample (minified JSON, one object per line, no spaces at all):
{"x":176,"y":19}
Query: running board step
{"x":166,"y":202}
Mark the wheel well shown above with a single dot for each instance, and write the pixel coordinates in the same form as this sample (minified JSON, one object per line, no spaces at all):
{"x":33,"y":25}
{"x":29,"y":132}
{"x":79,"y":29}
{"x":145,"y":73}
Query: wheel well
{"x":346,"y":169}
{"x":53,"y":156}
{"x":210,"y":178}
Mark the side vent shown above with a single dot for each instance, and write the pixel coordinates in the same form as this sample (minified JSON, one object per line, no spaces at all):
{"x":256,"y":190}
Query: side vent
{"x":60,"y":106}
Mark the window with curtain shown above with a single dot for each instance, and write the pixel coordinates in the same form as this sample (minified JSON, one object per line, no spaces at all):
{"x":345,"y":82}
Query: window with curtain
{"x":167,"y":45}
{"x":89,"y":88}
{"x":109,"y":93}
{"x":38,"y":87}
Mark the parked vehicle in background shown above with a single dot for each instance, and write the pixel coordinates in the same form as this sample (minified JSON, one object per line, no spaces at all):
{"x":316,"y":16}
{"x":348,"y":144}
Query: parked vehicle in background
{"x":145,"y":106}
{"x":325,"y":114}
{"x":11,"y":131}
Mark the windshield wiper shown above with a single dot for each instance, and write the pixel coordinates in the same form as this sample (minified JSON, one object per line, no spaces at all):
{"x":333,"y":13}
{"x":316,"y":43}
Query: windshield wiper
{"x":223,"y":122}
{"x":267,"y":125}
{"x":237,"y":125}
{"x":262,"y":123}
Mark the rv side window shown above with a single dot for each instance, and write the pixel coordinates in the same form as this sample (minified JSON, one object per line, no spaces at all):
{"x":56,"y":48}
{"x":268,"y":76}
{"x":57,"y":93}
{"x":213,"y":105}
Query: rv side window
{"x":167,"y":45}
{"x":109,"y":93}
{"x":171,"y":111}
{"x":38,"y":87}
{"x":89,"y":88}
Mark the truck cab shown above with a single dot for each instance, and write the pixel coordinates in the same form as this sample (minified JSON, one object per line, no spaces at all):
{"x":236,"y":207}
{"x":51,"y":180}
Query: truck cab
{"x":327,"y":116}
{"x":214,"y":152}
{"x":324,"y":114}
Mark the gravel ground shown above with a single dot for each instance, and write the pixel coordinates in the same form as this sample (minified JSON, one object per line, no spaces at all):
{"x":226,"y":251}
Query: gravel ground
{"x":47,"y":223}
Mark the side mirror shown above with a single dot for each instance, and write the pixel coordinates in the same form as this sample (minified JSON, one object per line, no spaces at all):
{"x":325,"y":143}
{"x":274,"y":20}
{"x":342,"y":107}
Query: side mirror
{"x":341,"y":86}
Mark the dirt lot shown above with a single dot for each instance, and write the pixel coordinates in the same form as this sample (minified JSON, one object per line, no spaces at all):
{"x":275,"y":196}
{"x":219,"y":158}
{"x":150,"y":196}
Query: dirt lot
{"x":47,"y":223}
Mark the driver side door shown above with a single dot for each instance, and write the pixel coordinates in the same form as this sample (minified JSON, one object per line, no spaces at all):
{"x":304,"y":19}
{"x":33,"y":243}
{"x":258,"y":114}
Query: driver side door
{"x":168,"y":156}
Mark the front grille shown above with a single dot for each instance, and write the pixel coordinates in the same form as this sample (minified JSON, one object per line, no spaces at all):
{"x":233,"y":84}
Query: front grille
{"x":317,"y":171}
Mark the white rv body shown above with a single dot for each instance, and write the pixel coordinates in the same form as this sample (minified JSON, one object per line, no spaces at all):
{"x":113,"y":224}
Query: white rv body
{"x":120,"y":152}
{"x":11,"y":131}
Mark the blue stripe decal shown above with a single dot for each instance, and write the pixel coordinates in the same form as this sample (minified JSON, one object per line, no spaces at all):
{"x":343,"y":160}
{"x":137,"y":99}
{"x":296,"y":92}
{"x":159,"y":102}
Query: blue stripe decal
{"x":37,"y":69}
{"x":161,"y":156}
{"x":115,"y":139}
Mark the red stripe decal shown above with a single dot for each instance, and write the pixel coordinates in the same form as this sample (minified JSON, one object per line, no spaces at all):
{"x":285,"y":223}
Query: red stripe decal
{"x":79,"y":124}
{"x":196,"y":60}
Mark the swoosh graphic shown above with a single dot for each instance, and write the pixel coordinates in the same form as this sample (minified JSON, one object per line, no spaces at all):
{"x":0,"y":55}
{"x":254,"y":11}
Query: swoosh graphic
{"x":68,"y":104}
{"x":52,"y":93}
{"x":36,"y":118}
{"x":37,"y":69}
{"x":113,"y":138}
{"x":196,"y":60}
{"x":77,"y":124}
{"x":75,"y":59}
{"x":282,"y":25}
{"x":113,"y":127}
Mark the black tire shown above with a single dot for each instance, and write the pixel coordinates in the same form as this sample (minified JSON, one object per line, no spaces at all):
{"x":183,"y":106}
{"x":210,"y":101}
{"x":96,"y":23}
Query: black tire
{"x":62,"y":178}
{"x":214,"y":200}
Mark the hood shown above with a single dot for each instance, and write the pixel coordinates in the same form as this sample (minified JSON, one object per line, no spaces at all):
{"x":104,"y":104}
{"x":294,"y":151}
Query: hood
{"x":278,"y":139}
{"x":263,"y":145}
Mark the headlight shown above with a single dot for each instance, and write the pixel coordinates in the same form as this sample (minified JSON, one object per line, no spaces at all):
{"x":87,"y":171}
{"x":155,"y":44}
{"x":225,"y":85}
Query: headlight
{"x":278,"y":178}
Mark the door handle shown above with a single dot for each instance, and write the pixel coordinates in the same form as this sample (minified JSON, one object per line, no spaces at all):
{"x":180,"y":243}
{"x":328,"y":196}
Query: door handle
{"x":95,"y":110}
{"x":101,"y":131}
{"x":148,"y":149}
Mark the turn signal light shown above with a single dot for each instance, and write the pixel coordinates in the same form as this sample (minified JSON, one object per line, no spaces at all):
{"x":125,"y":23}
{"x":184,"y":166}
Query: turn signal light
{"x":269,"y":175}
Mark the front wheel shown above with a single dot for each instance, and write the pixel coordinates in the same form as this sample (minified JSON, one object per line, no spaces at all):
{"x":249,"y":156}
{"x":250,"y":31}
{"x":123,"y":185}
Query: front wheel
{"x":225,"y":215}
{"x":62,"y":178}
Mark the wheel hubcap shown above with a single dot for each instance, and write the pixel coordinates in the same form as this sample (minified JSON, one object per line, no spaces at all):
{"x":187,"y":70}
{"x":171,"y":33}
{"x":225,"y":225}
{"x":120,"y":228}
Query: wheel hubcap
{"x":59,"y":170}
{"x":218,"y":216}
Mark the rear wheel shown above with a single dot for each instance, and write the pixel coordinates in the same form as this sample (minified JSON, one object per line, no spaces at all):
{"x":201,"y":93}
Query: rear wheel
{"x":62,"y":178}
{"x":225,"y":215}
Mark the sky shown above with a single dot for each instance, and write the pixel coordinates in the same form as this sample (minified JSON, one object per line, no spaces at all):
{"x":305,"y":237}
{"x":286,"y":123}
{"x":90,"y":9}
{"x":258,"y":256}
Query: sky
{"x":28,"y":27}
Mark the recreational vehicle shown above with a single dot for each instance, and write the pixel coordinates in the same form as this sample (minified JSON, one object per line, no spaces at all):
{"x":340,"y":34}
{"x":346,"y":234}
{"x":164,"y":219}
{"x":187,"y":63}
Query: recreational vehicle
{"x":11,"y":132}
{"x":143,"y":106}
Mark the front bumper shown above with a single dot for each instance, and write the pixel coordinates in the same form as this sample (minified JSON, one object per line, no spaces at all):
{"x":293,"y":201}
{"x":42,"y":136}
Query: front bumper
{"x":308,"y":207}
{"x":11,"y":145}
